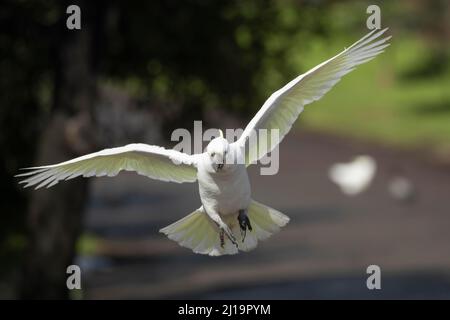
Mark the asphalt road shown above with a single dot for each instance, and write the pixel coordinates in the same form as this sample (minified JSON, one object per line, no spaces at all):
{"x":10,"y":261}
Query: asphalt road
{"x":322,"y":253}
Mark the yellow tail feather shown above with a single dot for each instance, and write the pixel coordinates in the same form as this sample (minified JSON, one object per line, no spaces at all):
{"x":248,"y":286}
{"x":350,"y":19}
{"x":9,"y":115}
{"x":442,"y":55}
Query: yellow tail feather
{"x":198,"y":232}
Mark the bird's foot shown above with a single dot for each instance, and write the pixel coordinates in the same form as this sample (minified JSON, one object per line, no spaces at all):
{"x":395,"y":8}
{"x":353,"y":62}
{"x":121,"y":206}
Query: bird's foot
{"x":222,"y":238}
{"x":225,"y":230}
{"x":244,"y":223}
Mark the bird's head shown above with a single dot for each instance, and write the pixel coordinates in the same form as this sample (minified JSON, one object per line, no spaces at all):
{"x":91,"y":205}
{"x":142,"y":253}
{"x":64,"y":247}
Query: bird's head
{"x":218,"y":151}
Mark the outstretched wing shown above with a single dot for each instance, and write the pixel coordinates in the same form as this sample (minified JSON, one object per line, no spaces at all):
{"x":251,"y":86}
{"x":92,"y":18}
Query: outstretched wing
{"x":151,"y":161}
{"x":284,"y":106}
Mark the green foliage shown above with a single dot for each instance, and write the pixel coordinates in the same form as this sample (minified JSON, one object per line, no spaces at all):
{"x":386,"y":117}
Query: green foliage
{"x":401,"y":98}
{"x":87,"y":244}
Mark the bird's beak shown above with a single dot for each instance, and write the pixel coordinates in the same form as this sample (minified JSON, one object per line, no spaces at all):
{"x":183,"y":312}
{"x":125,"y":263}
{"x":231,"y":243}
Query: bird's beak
{"x":220,"y":166}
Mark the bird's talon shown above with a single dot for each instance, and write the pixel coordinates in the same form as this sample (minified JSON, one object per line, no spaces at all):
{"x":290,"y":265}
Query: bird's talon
{"x":227,"y":231}
{"x":233,"y":239}
{"x":222,"y":238}
{"x":243,"y":234}
{"x":244,"y":223}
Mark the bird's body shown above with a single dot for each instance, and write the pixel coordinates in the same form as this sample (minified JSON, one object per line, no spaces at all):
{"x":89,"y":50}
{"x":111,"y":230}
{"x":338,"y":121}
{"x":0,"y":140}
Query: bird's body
{"x":224,"y":192}
{"x":229,"y":220}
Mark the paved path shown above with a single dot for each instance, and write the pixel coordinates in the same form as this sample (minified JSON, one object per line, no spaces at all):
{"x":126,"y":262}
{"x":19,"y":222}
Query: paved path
{"x":322,"y":253}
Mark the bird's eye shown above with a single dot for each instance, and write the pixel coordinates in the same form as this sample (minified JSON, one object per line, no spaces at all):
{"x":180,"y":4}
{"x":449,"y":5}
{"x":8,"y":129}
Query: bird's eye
{"x":213,"y":154}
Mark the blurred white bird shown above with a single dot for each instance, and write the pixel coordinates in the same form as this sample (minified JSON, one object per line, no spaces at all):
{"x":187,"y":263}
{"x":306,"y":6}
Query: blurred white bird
{"x":353,"y":177}
{"x":401,"y":188}
{"x":227,"y":208}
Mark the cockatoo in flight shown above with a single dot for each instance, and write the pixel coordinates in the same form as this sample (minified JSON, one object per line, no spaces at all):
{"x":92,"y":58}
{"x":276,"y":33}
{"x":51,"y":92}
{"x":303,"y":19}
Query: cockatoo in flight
{"x":228,"y":220}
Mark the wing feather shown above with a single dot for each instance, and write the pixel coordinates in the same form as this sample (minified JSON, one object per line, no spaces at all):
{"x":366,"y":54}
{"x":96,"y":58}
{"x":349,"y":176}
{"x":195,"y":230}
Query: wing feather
{"x":283,"y":107}
{"x":151,"y":161}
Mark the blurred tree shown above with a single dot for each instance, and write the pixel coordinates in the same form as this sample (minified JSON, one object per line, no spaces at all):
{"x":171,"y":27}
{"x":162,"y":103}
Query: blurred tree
{"x":431,"y":20}
{"x":26,"y":54}
{"x":54,"y":217}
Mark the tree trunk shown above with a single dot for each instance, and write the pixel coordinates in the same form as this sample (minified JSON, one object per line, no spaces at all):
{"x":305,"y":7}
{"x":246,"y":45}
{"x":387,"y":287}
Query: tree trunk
{"x":55,"y":215}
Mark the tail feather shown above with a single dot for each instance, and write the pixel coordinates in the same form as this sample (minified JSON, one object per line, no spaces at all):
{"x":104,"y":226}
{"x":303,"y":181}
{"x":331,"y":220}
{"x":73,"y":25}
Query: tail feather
{"x":196,"y":231}
{"x":192,"y":237}
{"x":267,"y":219}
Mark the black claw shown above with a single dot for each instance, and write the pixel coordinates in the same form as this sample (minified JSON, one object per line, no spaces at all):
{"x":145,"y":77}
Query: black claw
{"x":244,"y":223}
{"x":222,"y":238}
{"x":249,"y":226}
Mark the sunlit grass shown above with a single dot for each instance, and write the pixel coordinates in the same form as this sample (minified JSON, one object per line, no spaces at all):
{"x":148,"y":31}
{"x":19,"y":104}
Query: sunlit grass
{"x":374,"y":102}
{"x":87,"y":244}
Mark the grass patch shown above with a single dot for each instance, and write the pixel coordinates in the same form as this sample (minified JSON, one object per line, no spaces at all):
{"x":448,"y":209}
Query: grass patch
{"x":87,"y":244}
{"x":378,"y":102}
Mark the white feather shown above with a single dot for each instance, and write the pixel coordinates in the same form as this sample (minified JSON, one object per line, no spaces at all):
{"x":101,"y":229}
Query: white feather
{"x":151,"y":161}
{"x":283,"y":107}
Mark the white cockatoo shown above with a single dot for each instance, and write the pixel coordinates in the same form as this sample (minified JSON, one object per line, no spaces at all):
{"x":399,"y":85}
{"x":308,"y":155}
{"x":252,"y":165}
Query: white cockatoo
{"x":228,"y":220}
{"x":353,"y":177}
